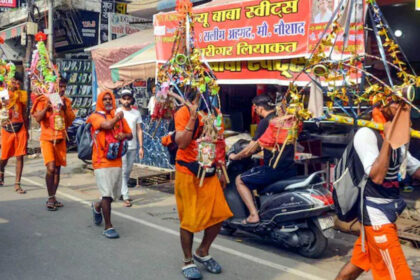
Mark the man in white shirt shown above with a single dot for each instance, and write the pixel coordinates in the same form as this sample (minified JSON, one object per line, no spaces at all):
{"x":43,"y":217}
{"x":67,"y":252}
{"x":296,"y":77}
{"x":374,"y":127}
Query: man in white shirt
{"x":134,"y":120}
{"x":152,"y":101}
{"x":382,"y":252}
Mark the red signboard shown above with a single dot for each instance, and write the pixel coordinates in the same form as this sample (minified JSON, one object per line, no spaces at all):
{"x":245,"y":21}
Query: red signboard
{"x":258,"y":29}
{"x":243,"y":30}
{"x":8,"y":3}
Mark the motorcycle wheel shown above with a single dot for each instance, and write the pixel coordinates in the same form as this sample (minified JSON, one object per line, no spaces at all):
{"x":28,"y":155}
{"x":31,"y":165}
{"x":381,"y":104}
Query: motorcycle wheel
{"x":317,"y":247}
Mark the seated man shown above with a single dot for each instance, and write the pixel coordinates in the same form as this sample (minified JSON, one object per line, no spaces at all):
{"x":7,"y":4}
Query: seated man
{"x":261,"y":176}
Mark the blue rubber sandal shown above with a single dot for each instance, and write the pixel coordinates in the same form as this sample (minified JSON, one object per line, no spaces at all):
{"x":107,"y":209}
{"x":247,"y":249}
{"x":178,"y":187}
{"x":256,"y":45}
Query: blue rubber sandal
{"x":191,"y":272}
{"x":97,"y":216}
{"x":111,"y":233}
{"x":209,"y":263}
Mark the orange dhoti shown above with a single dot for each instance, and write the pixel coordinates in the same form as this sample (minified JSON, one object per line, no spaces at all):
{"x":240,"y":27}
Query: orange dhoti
{"x":200,"y":207}
{"x":13,"y":144}
{"x":54,"y":152}
{"x":383,"y":254}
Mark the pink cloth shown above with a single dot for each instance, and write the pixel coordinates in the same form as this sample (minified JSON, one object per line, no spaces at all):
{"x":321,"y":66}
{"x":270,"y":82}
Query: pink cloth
{"x":104,"y":58}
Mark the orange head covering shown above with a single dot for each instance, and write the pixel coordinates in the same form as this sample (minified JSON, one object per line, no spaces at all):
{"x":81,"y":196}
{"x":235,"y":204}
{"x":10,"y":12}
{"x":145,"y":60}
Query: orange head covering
{"x":100,"y":107}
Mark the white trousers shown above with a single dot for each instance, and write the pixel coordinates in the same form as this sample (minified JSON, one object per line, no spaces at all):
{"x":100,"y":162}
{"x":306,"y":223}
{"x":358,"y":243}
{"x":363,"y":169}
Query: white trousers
{"x":127,"y":165}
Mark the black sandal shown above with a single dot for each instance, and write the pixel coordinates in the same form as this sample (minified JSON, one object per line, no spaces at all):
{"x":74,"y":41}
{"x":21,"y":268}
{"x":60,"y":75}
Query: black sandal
{"x":56,"y":203}
{"x":19,"y":190}
{"x":51,"y":206}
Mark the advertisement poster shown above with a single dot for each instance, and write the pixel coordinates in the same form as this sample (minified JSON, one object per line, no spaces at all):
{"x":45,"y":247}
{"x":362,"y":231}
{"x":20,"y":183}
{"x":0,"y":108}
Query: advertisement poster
{"x":322,"y":10}
{"x":75,"y":29}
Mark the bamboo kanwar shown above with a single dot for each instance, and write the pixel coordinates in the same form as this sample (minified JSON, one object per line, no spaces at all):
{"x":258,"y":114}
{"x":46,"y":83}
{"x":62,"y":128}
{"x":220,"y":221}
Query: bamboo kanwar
{"x":365,"y":123}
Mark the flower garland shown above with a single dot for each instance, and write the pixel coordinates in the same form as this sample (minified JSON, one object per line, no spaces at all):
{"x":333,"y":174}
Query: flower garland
{"x":7,"y":70}
{"x":185,"y":71}
{"x":44,"y":74}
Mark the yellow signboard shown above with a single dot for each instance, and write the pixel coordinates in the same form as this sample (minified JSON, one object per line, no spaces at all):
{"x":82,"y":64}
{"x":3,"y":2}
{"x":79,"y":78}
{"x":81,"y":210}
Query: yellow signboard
{"x":417,"y":5}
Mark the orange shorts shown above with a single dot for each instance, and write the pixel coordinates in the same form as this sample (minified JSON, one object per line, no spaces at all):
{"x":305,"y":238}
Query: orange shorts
{"x":383,"y":254}
{"x":56,"y":152}
{"x":13,"y":145}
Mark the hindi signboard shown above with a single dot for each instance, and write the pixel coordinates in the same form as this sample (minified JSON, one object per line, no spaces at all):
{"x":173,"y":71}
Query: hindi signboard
{"x":107,"y":6}
{"x":252,"y":30}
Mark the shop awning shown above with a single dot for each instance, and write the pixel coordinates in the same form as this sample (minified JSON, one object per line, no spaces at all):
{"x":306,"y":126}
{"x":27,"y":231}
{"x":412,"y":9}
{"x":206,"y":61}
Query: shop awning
{"x":139,"y":65}
{"x":131,"y":40}
{"x":107,"y":54}
{"x":12,"y":32}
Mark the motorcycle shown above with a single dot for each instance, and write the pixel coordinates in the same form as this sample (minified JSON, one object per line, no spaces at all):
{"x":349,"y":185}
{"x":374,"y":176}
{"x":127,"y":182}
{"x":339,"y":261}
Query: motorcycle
{"x":296,"y":213}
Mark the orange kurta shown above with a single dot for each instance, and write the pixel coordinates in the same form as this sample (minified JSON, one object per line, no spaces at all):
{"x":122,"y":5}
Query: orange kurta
{"x":53,"y":142}
{"x":15,"y":144}
{"x":198,"y":207}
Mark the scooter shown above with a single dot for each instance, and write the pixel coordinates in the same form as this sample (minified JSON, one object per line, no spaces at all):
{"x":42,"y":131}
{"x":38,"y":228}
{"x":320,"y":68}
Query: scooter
{"x":296,"y":213}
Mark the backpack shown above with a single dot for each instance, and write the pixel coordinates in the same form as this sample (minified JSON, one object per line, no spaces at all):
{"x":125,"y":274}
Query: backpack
{"x":84,"y":141}
{"x":349,"y":183}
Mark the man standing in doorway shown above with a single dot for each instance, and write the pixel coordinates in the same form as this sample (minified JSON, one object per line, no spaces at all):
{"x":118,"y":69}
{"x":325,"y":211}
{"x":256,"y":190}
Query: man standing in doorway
{"x":134,"y":120}
{"x":54,"y":124}
{"x":110,"y":131}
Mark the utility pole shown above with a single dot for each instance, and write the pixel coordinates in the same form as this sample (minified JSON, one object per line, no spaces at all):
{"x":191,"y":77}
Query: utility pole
{"x":51,"y":29}
{"x":27,"y":60}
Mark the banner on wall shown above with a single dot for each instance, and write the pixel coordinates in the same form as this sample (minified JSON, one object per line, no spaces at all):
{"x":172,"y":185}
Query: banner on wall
{"x":258,"y":29}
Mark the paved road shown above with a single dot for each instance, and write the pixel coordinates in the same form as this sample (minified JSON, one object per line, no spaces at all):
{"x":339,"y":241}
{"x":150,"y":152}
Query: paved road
{"x":37,"y":244}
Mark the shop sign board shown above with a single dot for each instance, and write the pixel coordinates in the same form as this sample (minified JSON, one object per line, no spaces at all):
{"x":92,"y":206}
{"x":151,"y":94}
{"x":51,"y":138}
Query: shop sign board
{"x":120,"y":25}
{"x":259,"y":29}
{"x":8,"y":3}
{"x":121,"y":8}
{"x":107,"y":6}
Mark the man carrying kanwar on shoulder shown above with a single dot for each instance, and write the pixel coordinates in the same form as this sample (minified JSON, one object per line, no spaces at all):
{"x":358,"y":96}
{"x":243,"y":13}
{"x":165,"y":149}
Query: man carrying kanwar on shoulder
{"x":110,"y":135}
{"x":14,"y":131}
{"x":54,"y":122}
{"x":379,"y":249}
{"x":199,"y":207}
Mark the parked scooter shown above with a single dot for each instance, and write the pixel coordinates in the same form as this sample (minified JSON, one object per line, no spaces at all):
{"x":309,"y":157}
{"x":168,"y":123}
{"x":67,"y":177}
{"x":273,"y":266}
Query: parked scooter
{"x":296,"y":213}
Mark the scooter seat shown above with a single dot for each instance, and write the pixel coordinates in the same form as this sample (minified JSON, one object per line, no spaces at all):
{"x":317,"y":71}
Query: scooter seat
{"x":279,"y":186}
